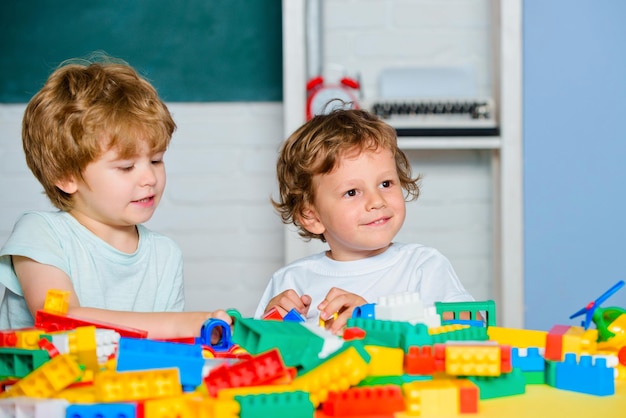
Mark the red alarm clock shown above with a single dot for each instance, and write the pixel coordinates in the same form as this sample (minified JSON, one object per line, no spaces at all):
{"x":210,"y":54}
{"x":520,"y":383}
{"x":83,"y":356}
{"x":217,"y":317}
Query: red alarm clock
{"x":323,"y":98}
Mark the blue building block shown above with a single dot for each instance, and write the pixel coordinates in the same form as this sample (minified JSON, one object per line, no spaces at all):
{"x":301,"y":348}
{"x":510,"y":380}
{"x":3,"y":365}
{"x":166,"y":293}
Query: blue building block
{"x":101,"y":410}
{"x":225,"y":342}
{"x":293,"y":316}
{"x":533,"y":361}
{"x":367,"y":311}
{"x":585,"y":376}
{"x":141,"y":354}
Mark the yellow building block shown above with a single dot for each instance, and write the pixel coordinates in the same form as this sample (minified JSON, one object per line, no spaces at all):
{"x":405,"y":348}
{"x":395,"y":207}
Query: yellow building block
{"x":57,"y":301}
{"x":446,"y":328}
{"x":83,"y":345}
{"x":28,"y":338}
{"x":80,"y":394}
{"x":473,"y":360}
{"x":334,"y":375}
{"x":431,"y":398}
{"x":47,"y":380}
{"x":136,"y":385}
{"x":190,"y":406}
{"x":577,"y":340}
{"x":515,"y":337}
{"x":385,"y":361}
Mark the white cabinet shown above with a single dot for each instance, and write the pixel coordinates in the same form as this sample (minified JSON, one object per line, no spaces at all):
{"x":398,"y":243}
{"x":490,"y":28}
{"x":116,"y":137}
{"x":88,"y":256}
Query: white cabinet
{"x":505,"y":150}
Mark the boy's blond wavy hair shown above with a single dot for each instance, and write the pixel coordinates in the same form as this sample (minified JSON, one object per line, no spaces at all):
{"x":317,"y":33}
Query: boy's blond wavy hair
{"x":85,"y":108}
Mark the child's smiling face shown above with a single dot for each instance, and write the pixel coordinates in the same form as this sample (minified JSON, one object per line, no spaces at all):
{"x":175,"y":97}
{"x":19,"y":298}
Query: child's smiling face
{"x":359,"y":206}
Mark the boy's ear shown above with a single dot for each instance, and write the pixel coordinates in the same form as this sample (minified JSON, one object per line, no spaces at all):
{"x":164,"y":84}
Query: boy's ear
{"x":68,"y":185}
{"x":311,"y":222}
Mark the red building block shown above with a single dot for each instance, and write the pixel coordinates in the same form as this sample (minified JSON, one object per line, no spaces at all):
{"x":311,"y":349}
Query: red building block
{"x":554,"y":342}
{"x":420,"y":360}
{"x":55,"y":322}
{"x":378,"y":401}
{"x":261,"y":369}
{"x":8,"y":338}
{"x":353,"y":333}
{"x":273,"y":315}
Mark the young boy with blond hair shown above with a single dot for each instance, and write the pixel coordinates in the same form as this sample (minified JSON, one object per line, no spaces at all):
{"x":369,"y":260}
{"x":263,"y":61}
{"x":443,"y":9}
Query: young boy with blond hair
{"x":95,"y":137}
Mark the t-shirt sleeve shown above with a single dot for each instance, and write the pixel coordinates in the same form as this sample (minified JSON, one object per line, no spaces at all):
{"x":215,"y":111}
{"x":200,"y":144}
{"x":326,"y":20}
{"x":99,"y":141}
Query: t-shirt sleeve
{"x":440,"y":282}
{"x":32,"y":237}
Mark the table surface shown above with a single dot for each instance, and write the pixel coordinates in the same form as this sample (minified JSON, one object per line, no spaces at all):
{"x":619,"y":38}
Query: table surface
{"x":545,"y":401}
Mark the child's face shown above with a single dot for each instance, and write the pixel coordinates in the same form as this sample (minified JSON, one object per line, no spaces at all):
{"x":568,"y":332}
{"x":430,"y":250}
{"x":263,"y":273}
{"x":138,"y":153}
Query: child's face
{"x":116,"y":192}
{"x":359,"y":206}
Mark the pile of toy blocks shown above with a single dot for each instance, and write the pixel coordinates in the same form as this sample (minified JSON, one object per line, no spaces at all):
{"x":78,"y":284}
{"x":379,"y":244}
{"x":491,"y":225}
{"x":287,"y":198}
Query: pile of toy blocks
{"x":394,"y":359}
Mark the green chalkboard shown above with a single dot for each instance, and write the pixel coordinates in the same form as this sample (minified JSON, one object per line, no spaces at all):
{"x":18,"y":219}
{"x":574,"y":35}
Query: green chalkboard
{"x":191,"y":50}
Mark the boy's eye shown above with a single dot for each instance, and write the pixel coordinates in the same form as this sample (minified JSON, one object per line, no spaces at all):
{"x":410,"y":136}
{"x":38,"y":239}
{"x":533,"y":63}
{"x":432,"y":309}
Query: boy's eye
{"x":351,"y":193}
{"x":157,"y":161}
{"x":127,"y":168}
{"x":386,"y":183}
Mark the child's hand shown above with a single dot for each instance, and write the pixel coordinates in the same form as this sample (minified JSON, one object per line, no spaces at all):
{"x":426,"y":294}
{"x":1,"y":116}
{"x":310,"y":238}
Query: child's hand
{"x":289,"y":300}
{"x":341,"y":302}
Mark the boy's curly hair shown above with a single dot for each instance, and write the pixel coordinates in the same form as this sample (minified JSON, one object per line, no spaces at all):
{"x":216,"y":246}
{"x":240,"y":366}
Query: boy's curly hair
{"x":86,"y":107}
{"x":315,"y":149}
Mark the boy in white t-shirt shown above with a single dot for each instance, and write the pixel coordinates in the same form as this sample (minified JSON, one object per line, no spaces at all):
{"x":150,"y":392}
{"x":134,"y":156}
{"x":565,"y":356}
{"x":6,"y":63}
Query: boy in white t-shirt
{"x":343,"y":180}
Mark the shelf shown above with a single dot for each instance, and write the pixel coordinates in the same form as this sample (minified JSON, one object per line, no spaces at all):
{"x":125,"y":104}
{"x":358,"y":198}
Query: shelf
{"x":443,"y":142}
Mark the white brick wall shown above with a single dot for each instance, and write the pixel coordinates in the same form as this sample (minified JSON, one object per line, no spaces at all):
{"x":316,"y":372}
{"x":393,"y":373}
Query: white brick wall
{"x":221,"y":161}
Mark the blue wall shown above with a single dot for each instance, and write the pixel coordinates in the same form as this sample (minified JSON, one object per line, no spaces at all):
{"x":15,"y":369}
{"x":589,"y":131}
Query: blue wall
{"x":574,"y":156}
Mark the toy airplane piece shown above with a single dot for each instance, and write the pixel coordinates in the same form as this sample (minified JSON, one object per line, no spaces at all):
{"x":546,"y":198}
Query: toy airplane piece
{"x":592,"y":306}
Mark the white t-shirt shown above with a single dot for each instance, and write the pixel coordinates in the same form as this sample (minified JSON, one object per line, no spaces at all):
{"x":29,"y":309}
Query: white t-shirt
{"x":401,"y":268}
{"x":148,"y":280}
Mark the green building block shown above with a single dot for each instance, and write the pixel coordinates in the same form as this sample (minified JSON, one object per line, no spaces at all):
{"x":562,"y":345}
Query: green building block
{"x":18,"y":362}
{"x":297,"y":345}
{"x":392,"y":380}
{"x":506,"y":384}
{"x":535,"y":378}
{"x":295,"y":404}
{"x":488,"y":306}
{"x":463,"y":334}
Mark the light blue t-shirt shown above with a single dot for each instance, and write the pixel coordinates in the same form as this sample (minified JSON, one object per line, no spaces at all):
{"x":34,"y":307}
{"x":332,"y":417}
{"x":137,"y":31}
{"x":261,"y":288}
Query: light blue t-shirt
{"x":148,"y":280}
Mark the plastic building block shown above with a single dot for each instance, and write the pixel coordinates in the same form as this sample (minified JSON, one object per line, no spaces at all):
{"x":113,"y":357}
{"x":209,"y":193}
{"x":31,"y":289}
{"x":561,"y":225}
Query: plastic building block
{"x":516,"y":337}
{"x":404,"y":307}
{"x":527,"y":359}
{"x":563,"y":339}
{"x":19,"y":362}
{"x":8,"y":338}
{"x":367,"y":311}
{"x":337,"y":373}
{"x":273,"y":315}
{"x":33,"y":408}
{"x":141,"y":354}
{"x":469,"y":396}
{"x":473,"y":309}
{"x":431,"y":398}
{"x":322,"y":322}
{"x":48,"y":379}
{"x":391,"y":333}
{"x":28,"y":338}
{"x":287,"y":404}
{"x":385,"y":361}
{"x":391,"y":380}
{"x":258,"y":370}
{"x":365,"y":401}
{"x":111,"y":386}
{"x":293,"y":316}
{"x":353,"y":333}
{"x":225,"y":342}
{"x":102,"y":410}
{"x":45,"y":344}
{"x":473,"y":360}
{"x":585,"y":376}
{"x":422,"y":361}
{"x":57,"y":301}
{"x":87,"y":344}
{"x":460,"y":333}
{"x":54,"y":322}
{"x":507,"y":384}
{"x":298,"y":345}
